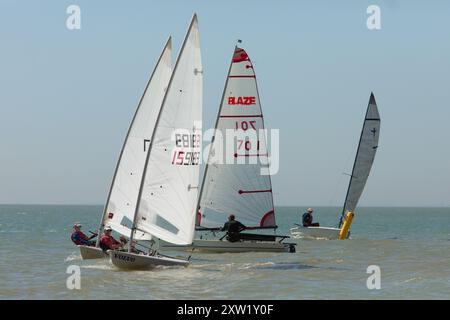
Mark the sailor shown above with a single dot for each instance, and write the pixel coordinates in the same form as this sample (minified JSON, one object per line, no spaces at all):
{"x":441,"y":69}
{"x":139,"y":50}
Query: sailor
{"x":107,"y":241}
{"x":79,"y":238}
{"x":307,"y":219}
{"x":233,"y":227}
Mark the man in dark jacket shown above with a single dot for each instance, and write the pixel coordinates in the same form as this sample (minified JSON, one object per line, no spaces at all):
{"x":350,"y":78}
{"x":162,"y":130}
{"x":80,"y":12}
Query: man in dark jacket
{"x":307,"y":219}
{"x":79,"y":238}
{"x":233,"y":227}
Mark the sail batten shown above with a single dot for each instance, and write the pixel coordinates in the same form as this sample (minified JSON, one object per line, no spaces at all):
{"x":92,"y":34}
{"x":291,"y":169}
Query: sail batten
{"x":365,"y":155}
{"x":238,"y":188}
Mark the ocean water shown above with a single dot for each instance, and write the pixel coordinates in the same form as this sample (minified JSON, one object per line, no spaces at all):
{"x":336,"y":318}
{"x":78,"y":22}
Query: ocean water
{"x":411,"y":246}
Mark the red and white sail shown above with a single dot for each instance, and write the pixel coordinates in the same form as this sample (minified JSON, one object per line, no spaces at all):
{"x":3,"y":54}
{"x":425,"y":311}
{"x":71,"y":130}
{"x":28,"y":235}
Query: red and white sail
{"x":238,"y":188}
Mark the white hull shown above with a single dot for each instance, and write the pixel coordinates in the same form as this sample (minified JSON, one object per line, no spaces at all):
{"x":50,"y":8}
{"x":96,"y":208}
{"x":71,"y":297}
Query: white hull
{"x":315,"y":233}
{"x":223,"y":246}
{"x":133,"y":261}
{"x":91,"y":253}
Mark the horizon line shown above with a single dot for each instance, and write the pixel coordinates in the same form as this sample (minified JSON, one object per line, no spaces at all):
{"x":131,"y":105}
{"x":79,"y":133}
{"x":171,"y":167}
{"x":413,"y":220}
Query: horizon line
{"x":279,"y":205}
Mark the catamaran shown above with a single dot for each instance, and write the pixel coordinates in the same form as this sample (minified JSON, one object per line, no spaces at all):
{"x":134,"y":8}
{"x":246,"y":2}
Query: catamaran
{"x":237,"y":188}
{"x":168,"y":192}
{"x":365,"y":155}
{"x":123,"y":193}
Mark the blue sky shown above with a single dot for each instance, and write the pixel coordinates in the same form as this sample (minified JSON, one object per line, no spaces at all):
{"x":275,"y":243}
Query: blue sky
{"x":67,"y":97}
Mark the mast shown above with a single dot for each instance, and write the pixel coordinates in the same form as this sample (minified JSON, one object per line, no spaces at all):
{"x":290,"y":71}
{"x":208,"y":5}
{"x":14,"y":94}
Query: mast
{"x":101,"y":225}
{"x":141,"y":187}
{"x":213,"y":138}
{"x":371,"y":102}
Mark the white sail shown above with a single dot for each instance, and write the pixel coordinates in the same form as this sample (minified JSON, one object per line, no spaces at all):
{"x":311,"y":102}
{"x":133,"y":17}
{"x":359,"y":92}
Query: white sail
{"x":122,"y":199}
{"x":365,"y":156}
{"x":169,"y":189}
{"x":234,"y":188}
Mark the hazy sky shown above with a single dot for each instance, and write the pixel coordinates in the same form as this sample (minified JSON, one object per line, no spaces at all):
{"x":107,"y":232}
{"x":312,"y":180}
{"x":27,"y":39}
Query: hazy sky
{"x":67,"y":97}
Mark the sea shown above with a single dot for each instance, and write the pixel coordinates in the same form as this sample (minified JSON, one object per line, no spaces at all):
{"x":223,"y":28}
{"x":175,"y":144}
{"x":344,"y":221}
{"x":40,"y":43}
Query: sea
{"x":393,"y":253}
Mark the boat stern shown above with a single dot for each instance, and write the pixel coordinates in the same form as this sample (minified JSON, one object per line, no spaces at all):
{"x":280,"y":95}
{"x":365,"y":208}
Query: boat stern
{"x":89,"y":252}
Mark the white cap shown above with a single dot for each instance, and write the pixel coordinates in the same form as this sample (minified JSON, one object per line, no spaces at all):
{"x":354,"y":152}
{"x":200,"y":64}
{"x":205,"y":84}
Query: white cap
{"x":108,"y":228}
{"x":310,"y":210}
{"x":77,"y":224}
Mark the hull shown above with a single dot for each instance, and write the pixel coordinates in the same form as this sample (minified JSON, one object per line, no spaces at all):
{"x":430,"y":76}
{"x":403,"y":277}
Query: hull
{"x":223,"y":246}
{"x":133,"y":261}
{"x":315,"y":232}
{"x":91,"y":253}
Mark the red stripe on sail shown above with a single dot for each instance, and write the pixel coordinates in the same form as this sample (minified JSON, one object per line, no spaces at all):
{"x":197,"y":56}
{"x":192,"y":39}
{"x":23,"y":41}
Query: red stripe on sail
{"x":198,"y":222}
{"x":240,"y":55}
{"x":254,"y":191}
{"x":268,"y":220}
{"x":244,"y":116}
{"x":251,"y":155}
{"x":242,"y":76}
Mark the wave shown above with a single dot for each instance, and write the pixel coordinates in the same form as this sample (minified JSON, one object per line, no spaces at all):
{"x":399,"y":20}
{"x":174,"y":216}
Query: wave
{"x":73,"y":256}
{"x":99,"y":267}
{"x":412,"y":279}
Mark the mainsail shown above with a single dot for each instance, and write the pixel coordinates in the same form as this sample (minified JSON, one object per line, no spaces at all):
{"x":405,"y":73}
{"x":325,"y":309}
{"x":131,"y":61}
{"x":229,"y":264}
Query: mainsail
{"x":169,"y":188}
{"x":238,"y":188}
{"x":121,"y":203}
{"x":365,"y":155}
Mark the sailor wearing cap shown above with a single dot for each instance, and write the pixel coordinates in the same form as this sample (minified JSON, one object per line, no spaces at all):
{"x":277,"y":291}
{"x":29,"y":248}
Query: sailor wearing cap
{"x":107,"y":241}
{"x":307,"y":219}
{"x":79,"y":238}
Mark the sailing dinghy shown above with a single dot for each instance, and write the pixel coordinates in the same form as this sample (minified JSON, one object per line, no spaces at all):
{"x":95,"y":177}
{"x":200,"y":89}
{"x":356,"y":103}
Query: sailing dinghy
{"x":166,"y":204}
{"x":123,"y":193}
{"x":365,"y":156}
{"x":237,"y":188}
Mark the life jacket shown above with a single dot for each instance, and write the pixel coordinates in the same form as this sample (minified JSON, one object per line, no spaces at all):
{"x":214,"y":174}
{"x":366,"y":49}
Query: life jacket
{"x":307,"y":219}
{"x":233,"y":228}
{"x":107,"y":242}
{"x":76,"y":237}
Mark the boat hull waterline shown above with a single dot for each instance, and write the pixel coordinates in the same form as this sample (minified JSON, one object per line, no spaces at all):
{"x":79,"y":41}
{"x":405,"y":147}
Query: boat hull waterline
{"x":89,"y":252}
{"x":133,"y":261}
{"x":222,"y":246}
{"x":315,"y":233}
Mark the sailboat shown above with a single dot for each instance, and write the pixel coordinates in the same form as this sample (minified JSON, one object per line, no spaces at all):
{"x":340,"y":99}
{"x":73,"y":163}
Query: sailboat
{"x":365,"y":155}
{"x":237,"y":188}
{"x":167,"y":198}
{"x":122,"y":198}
